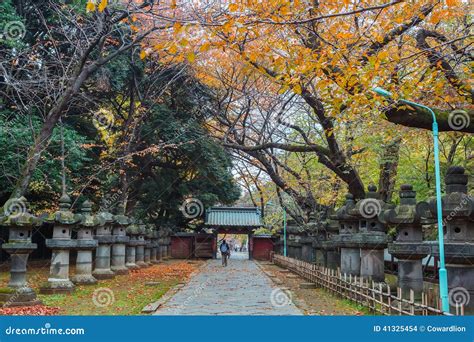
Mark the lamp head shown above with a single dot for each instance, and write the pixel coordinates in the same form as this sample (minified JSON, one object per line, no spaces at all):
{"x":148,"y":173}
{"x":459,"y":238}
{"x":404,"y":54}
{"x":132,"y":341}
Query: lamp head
{"x":382,"y":92}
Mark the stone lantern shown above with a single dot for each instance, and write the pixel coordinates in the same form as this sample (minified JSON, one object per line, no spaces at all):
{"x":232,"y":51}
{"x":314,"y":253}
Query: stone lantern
{"x":132,"y":231}
{"x":64,"y":222}
{"x":103,"y":234}
{"x":121,"y":222}
{"x":85,"y":244}
{"x":310,"y":241}
{"x":407,"y":247}
{"x":294,"y":234}
{"x":458,"y":217}
{"x":140,"y":249}
{"x":348,"y":228}
{"x":155,"y":246}
{"x":148,"y":245}
{"x":20,"y":223}
{"x":333,"y":257}
{"x":371,"y":238}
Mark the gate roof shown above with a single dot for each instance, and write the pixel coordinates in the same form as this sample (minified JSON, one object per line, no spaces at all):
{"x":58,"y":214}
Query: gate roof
{"x":234,"y":217}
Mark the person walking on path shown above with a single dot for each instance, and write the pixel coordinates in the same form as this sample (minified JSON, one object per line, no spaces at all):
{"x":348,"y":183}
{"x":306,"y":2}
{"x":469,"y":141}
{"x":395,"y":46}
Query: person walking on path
{"x":225,"y":251}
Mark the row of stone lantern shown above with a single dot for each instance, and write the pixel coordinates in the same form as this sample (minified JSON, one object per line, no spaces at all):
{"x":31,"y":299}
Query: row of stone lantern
{"x":362,"y":236}
{"x":120,"y":244}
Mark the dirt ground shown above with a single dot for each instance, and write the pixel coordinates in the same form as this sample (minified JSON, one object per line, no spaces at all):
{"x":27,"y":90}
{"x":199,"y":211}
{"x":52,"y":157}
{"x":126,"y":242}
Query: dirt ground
{"x":311,"y":301}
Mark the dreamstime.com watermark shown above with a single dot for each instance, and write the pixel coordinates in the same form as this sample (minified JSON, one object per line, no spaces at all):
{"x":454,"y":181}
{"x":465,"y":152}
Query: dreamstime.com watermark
{"x":459,"y":296}
{"x":458,"y":119}
{"x":102,"y":297}
{"x":281,"y":297}
{"x":192,"y":208}
{"x":196,"y":293}
{"x":13,"y":30}
{"x":46,"y":330}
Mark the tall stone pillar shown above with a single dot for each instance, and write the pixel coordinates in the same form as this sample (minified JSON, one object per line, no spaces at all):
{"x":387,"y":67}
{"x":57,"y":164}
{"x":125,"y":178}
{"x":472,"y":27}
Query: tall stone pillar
{"x":155,"y":246}
{"x":407,"y":247}
{"x":130,"y":261}
{"x":333,"y":257}
{"x":348,"y":228}
{"x":458,"y":217}
{"x":20,"y":223}
{"x":140,"y":249}
{"x":103,"y":234}
{"x":61,"y":243}
{"x":85,"y":245}
{"x":371,"y":238}
{"x":148,"y":245}
{"x":120,"y":238}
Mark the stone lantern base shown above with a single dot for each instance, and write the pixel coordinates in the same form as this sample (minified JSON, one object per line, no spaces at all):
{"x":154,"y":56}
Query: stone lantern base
{"x":84,"y":279}
{"x":102,"y":274}
{"x":57,"y":286}
{"x":23,"y":296}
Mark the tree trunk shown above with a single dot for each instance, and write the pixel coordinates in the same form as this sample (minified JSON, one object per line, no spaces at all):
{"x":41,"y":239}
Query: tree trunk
{"x":388,"y":170}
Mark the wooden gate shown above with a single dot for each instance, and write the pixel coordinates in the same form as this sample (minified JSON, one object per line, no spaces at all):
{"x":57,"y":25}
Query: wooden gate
{"x":204,"y":246}
{"x":262,"y":247}
{"x":182,"y":247}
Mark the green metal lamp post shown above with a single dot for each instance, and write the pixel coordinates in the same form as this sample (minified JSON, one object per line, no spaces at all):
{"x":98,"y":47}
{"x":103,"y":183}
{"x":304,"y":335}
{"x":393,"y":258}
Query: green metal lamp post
{"x":269,"y":203}
{"x":284,"y":231}
{"x":443,"y":276}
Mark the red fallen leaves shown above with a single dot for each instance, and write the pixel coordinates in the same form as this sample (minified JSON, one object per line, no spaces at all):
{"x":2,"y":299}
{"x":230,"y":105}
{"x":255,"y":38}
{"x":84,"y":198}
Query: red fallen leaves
{"x":35,"y":310}
{"x":180,"y":270}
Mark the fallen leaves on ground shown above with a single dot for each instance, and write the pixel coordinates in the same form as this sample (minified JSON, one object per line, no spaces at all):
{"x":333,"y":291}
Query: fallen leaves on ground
{"x":35,"y":310}
{"x":181,"y":270}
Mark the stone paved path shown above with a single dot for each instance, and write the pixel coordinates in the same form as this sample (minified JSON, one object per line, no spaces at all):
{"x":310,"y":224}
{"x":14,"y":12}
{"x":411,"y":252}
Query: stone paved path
{"x":241,"y":288}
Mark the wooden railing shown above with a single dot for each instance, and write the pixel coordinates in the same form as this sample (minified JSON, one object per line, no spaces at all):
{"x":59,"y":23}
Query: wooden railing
{"x":378,"y":297}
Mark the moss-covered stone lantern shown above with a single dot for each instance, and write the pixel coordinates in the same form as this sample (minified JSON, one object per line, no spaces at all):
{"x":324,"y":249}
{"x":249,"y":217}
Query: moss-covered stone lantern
{"x":20,"y":222}
{"x":121,"y":222}
{"x":345,"y":240}
{"x":85,"y":245}
{"x":103,"y":234}
{"x":64,"y":221}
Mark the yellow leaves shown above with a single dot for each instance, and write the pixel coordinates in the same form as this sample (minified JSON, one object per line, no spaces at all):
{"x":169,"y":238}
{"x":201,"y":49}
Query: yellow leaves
{"x":297,"y":89}
{"x":90,"y":7}
{"x":173,"y":4}
{"x":103,"y":5}
{"x":143,"y":54}
{"x":227,"y":27}
{"x":191,"y":57}
{"x":205,"y":47}
{"x":173,"y":49}
{"x":233,"y":7}
{"x":177,"y":27}
{"x":451,"y":2}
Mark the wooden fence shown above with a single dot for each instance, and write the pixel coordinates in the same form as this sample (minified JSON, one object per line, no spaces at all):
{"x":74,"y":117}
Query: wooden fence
{"x":378,"y":297}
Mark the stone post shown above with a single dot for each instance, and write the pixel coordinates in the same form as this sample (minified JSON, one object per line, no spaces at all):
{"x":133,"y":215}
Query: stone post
{"x":371,"y":238}
{"x":148,"y":245}
{"x":119,"y":233}
{"x":132,"y":231}
{"x":20,"y":223}
{"x":458,"y":215}
{"x":103,"y":235}
{"x":155,"y":246}
{"x":140,"y":250}
{"x":61,"y":243}
{"x":348,"y":228}
{"x":85,"y":245}
{"x":333,"y":257}
{"x":407,"y":247}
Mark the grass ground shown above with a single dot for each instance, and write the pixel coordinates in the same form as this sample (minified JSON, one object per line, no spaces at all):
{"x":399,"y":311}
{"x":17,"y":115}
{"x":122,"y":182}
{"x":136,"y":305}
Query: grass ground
{"x":123,"y":295}
{"x":314,"y":301}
